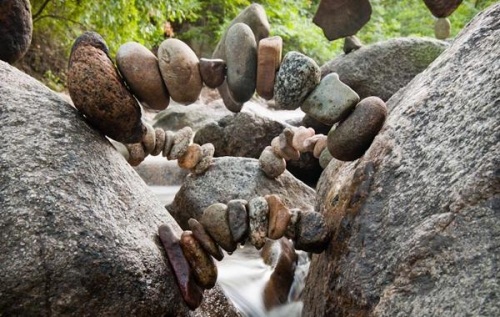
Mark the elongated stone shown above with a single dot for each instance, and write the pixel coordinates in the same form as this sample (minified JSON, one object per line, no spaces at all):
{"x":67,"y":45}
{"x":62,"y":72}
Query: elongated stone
{"x":279,"y":217}
{"x":212,"y":71}
{"x":215,"y":221}
{"x":268,"y":63}
{"x":159,"y":141}
{"x":319,"y":146}
{"x":286,"y":145}
{"x":291,"y":231}
{"x":149,"y":139}
{"x":169,"y":142}
{"x":191,"y":293}
{"x":202,"y":265}
{"x":182,"y":139}
{"x":191,"y":157}
{"x":258,"y":210}
{"x":207,"y":243}
{"x":299,"y":136}
{"x":312,"y":234}
{"x":271,"y":164}
{"x":238,"y":219}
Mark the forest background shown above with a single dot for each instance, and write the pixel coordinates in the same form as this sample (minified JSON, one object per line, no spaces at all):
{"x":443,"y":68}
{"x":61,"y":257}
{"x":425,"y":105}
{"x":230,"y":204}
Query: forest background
{"x":200,"y":23}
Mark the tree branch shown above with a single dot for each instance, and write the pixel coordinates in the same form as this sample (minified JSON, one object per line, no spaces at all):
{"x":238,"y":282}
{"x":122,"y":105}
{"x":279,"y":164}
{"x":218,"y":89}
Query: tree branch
{"x":39,"y":11}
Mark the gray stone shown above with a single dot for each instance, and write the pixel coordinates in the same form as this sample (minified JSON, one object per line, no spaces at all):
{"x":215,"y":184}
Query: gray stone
{"x":241,"y":61}
{"x":383,"y":68}
{"x":258,"y":210}
{"x":16,"y":28}
{"x":330,"y":101}
{"x":238,"y":219}
{"x":311,"y":232}
{"x":271,"y":163}
{"x":215,"y":220}
{"x":351,"y":43}
{"x":297,"y":77}
{"x":415,"y":221}
{"x":79,"y":227}
{"x":235,"y":178}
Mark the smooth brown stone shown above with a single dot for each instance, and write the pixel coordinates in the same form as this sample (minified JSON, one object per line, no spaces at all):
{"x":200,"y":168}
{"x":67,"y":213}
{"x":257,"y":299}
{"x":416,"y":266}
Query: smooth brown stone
{"x":312,"y":234}
{"x":169,"y":142}
{"x":279,"y":217}
{"x":191,"y":293}
{"x":179,"y":67}
{"x":139,"y":67}
{"x":320,"y":145}
{"x":159,"y":141}
{"x":299,"y":136}
{"x":191,"y":157}
{"x":16,"y":29}
{"x":258,"y":210}
{"x":149,"y":139}
{"x":353,"y":136}
{"x":271,"y":164}
{"x":136,"y":153}
{"x":204,"y":269}
{"x":212,"y":71}
{"x":442,"y":8}
{"x":268,"y":62}
{"x":351,"y":43}
{"x":286,"y":145}
{"x":98,"y":91}
{"x":215,"y":221}
{"x":238,"y":219}
{"x":207,"y":156}
{"x":294,"y":218}
{"x":205,"y":240}
{"x":182,"y":139}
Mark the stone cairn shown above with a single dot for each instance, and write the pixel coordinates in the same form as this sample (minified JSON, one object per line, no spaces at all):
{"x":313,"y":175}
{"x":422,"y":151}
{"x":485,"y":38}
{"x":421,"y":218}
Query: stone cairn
{"x":108,"y":96}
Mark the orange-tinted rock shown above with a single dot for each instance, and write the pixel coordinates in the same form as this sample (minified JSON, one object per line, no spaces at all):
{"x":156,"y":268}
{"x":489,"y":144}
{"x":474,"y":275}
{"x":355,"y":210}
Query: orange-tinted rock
{"x":16,"y":29}
{"x":212,"y":71}
{"x":207,"y":157}
{"x":320,"y":145}
{"x":268,"y":62}
{"x":205,"y":240}
{"x":442,"y":8}
{"x":202,"y":265}
{"x":136,"y":153}
{"x":191,"y":157}
{"x":279,"y":217}
{"x":287,"y":151}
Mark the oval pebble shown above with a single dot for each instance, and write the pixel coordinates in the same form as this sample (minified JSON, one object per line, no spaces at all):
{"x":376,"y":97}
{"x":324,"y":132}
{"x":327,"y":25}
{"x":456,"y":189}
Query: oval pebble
{"x":205,"y":240}
{"x":182,"y":139}
{"x":207,"y":157}
{"x":300,"y":135}
{"x":191,"y":157}
{"x":16,"y":29}
{"x":268,"y":63}
{"x":279,"y":217}
{"x":204,"y":269}
{"x":271,"y":164}
{"x":215,"y":221}
{"x":149,"y":139}
{"x":212,"y":71}
{"x":442,"y":28}
{"x":258,"y":210}
{"x":136,"y":153}
{"x":238,"y":219}
{"x":159,"y":141}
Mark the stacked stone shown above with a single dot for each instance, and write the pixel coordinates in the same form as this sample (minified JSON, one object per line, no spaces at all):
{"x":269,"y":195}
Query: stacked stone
{"x":442,"y":9}
{"x":226,"y":225}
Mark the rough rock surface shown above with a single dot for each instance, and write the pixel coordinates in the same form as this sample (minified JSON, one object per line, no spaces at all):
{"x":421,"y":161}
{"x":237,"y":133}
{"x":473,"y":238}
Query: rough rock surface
{"x":77,"y":226}
{"x":383,"y":68}
{"x":415,"y":221}
{"x":16,"y":29}
{"x":235,"y":178}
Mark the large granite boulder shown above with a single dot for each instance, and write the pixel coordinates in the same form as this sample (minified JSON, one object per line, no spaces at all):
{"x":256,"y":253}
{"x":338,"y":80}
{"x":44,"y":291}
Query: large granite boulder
{"x":381,"y":69}
{"x":415,"y":222}
{"x":236,"y":178}
{"x":78,"y":226}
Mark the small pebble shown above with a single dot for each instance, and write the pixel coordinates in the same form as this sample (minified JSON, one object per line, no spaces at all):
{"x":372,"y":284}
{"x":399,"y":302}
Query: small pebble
{"x":205,"y":240}
{"x":310,"y":143}
{"x":351,"y":43}
{"x":169,"y":142}
{"x":182,"y":139}
{"x":191,"y":157}
{"x":258,"y":210}
{"x":268,"y":62}
{"x":288,"y":152}
{"x":271,"y":164}
{"x":294,"y":218}
{"x":136,"y":153}
{"x":238,"y":219}
{"x":215,"y":221}
{"x":190,"y":291}
{"x":202,"y":265}
{"x":300,"y":135}
{"x":213,"y":72}
{"x":320,"y":145}
{"x":312,"y":234}
{"x":279,"y":217}
{"x":149,"y":139}
{"x":325,"y":158}
{"x":207,"y":157}
{"x":442,"y":28}
{"x":159,"y":141}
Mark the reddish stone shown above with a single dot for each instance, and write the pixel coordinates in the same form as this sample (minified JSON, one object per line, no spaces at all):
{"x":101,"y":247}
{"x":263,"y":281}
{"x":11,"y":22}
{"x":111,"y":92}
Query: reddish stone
{"x":268,"y":62}
{"x":442,"y":8}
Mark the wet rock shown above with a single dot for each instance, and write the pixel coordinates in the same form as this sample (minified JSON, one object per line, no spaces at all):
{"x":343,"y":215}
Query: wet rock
{"x":238,"y":219}
{"x":99,"y":93}
{"x":207,"y":155}
{"x":235,"y":178}
{"x":181,"y":141}
{"x":159,"y":141}
{"x":179,"y":67}
{"x":381,"y":69}
{"x":279,"y":217}
{"x":191,"y":157}
{"x":269,"y":60}
{"x":271,"y":164}
{"x":258,"y":211}
{"x":149,"y":139}
{"x":340,"y":18}
{"x":442,"y":28}
{"x":311,"y":232}
{"x":351,"y":43}
{"x":191,"y":292}
{"x":297,"y":77}
{"x":330,"y":101}
{"x":16,"y":29}
{"x":300,"y":135}
{"x":139,"y":68}
{"x":241,"y":60}
{"x":354,"y":135}
{"x":207,"y":243}
{"x":442,"y":8}
{"x":202,"y":265}
{"x":215,"y":221}
{"x":212,"y":71}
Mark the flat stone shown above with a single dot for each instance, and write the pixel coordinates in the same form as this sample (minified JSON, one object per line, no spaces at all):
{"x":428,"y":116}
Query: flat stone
{"x":442,"y":8}
{"x":149,"y":139}
{"x":268,"y":63}
{"x":98,"y":91}
{"x":205,"y":240}
{"x":16,"y":29}
{"x":191,"y":292}
{"x":160,"y":137}
{"x":241,"y":61}
{"x":179,"y":67}
{"x":212,"y":71}
{"x":238,"y":219}
{"x":312,"y":234}
{"x":182,"y":139}
{"x":258,"y":210}
{"x":330,"y":101}
{"x":279,"y":217}
{"x":297,"y":77}
{"x":351,"y":43}
{"x":442,"y":28}
{"x":202,"y":264}
{"x":354,"y":135}
{"x":136,"y":153}
{"x":271,"y":164}
{"x":207,"y":157}
{"x":169,"y":142}
{"x":300,"y":135}
{"x":291,"y":231}
{"x":140,"y":70}
{"x":215,"y":221}
{"x":320,"y":145}
{"x":191,"y":157}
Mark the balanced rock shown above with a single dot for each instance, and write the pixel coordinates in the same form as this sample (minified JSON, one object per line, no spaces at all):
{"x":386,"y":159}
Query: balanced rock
{"x":160,"y":138}
{"x":258,"y":211}
{"x":272,"y":164}
{"x":381,"y":69}
{"x":212,"y":71}
{"x":202,"y":265}
{"x":330,"y":101}
{"x":311,"y":232}
{"x":136,"y":153}
{"x":207,"y":155}
{"x":139,"y":68}
{"x":285,"y":147}
{"x":215,"y":221}
{"x":149,"y":139}
{"x":241,"y":60}
{"x":238,"y":219}
{"x":268,"y":63}
{"x":99,"y":93}
{"x":191,"y":157}
{"x":16,"y":29}
{"x":279,"y":217}
{"x":181,"y":141}
{"x":442,"y":8}
{"x":297,"y":77}
{"x":351,"y":43}
{"x":442,"y":28}
{"x":179,"y":67}
{"x":353,"y":136}
{"x":206,"y":242}
{"x":300,"y":135}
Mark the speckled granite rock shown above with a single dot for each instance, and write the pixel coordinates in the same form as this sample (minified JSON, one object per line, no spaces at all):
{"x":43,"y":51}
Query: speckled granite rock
{"x":16,"y":29}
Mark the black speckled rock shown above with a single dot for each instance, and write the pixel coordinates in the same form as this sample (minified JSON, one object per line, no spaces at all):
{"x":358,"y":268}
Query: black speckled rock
{"x":311,"y":232}
{"x":16,"y":29}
